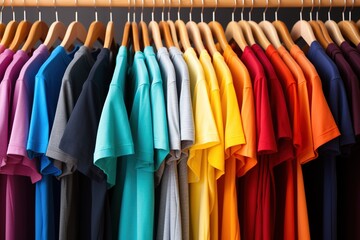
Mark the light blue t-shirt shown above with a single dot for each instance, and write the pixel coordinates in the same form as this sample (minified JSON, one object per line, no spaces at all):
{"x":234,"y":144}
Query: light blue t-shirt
{"x":46,"y":92}
{"x":114,"y":135}
{"x":134,"y":190}
{"x":160,"y":128}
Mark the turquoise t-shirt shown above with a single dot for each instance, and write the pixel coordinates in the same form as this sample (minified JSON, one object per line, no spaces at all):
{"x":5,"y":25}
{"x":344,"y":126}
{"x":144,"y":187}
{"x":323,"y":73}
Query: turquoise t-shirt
{"x":114,"y":138}
{"x":159,"y":119}
{"x":134,"y":190}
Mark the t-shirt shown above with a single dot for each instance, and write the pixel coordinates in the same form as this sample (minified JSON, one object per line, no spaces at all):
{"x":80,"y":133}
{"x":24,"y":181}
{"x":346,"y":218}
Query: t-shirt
{"x":351,"y":81}
{"x":169,"y":191}
{"x":233,"y":138}
{"x":134,"y":190}
{"x":245,"y":99}
{"x":83,"y":124}
{"x":334,"y":92}
{"x":351,"y":55}
{"x":72,"y":84}
{"x":171,"y":100}
{"x":5,"y":59}
{"x":7,"y":86}
{"x":206,"y":136}
{"x":187,"y":134}
{"x":46,"y":92}
{"x":158,"y":109}
{"x":264,"y":125}
{"x":113,"y":138}
{"x":282,"y":128}
{"x":2,"y":48}
{"x":254,"y":204}
{"x":21,"y":111}
{"x":305,"y":151}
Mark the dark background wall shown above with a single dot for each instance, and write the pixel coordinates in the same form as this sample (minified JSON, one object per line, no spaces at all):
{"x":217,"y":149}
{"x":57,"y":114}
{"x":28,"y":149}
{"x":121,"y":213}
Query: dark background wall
{"x":223,"y":15}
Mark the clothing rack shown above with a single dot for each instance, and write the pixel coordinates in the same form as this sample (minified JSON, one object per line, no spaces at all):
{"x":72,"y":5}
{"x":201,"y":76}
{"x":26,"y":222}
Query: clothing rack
{"x":175,"y":3}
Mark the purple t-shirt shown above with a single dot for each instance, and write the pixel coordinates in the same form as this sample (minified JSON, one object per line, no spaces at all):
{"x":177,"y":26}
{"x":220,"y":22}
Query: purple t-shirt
{"x":6,"y":91}
{"x":2,"y":48}
{"x":20,"y":117}
{"x":351,"y":81}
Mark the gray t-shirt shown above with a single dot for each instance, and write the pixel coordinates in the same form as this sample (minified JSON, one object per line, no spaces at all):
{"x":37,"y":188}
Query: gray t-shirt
{"x":187,"y":134}
{"x":169,"y":214}
{"x":74,"y":187}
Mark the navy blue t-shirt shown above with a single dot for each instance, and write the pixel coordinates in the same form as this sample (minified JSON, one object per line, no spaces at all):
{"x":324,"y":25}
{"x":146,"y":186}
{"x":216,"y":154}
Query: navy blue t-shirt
{"x":320,"y":175}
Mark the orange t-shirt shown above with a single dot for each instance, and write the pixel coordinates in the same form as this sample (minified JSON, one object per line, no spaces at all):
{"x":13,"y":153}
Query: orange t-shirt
{"x":305,"y":152}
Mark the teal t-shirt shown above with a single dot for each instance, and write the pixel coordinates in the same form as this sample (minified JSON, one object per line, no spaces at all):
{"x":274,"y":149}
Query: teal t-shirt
{"x":134,"y":189}
{"x":159,"y":119}
{"x":114,"y":138}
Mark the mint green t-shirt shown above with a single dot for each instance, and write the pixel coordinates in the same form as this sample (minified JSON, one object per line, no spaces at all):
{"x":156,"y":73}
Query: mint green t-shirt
{"x":159,"y":119}
{"x":134,"y":189}
{"x":114,"y":138}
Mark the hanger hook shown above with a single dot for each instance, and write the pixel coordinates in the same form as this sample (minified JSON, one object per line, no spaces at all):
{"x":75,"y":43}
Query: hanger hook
{"x":242,"y":9}
{"x":216,"y":5}
{"x":56,"y":12}
{"x":317,"y":11}
{"x":142,"y":11}
{"x":266,"y":8}
{"x":76,"y":11}
{"x":153,"y":11}
{"x":110,"y":11}
{"x":343,"y":11}
{"x":311,"y":10}
{"x":252,"y":6}
{"x":134,"y":13}
{"x":178,"y":11}
{"x":329,"y":15}
{"x":169,"y":10}
{"x":352,"y":7}
{"x":277,"y":9}
{"x":1,"y":11}
{"x":301,"y":11}
{"x":202,"y":11}
{"x":233,"y":12}
{"x":191,"y":8}
{"x":12,"y":9}
{"x":163,"y":9}
{"x":24,"y":11}
{"x":39,"y":11}
{"x":96,"y":13}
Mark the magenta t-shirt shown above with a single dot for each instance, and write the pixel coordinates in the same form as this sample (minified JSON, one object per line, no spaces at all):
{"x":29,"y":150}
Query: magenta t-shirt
{"x":17,"y":159}
{"x":2,"y":48}
{"x":5,"y":59}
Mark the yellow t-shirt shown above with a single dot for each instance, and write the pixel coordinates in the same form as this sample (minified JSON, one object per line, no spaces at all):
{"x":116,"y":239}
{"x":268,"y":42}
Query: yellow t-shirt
{"x":234,"y":138}
{"x":202,"y":187}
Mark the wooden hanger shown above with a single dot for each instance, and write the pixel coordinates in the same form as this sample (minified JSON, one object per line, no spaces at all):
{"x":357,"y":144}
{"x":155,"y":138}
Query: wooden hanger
{"x":144,"y":34}
{"x":173,"y":33}
{"x":75,"y":31}
{"x":333,"y":29}
{"x":220,"y":35}
{"x":247,"y":32}
{"x":319,"y":34}
{"x":56,"y":31}
{"x":135,"y":36}
{"x":9,"y":33}
{"x":166,"y":34}
{"x":109,"y":35}
{"x":233,"y":31}
{"x":21,"y":35}
{"x":96,"y":33}
{"x":324,"y":31}
{"x":155,"y":34}
{"x":350,"y":31}
{"x":126,"y":33}
{"x":207,"y":37}
{"x":195,"y":36}
{"x":269,"y":31}
{"x":182,"y":33}
{"x":348,"y":28}
{"x":302,"y":29}
{"x":259,"y":34}
{"x":284,"y":34}
{"x":37,"y":32}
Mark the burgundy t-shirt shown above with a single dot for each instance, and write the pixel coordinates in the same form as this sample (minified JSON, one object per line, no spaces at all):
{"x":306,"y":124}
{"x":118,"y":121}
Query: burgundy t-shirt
{"x":280,"y":116}
{"x":351,"y":81}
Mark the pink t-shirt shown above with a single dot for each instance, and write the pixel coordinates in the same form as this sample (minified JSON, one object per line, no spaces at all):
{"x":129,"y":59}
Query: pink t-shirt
{"x":7,"y":86}
{"x":5,"y":59}
{"x":20,"y":117}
